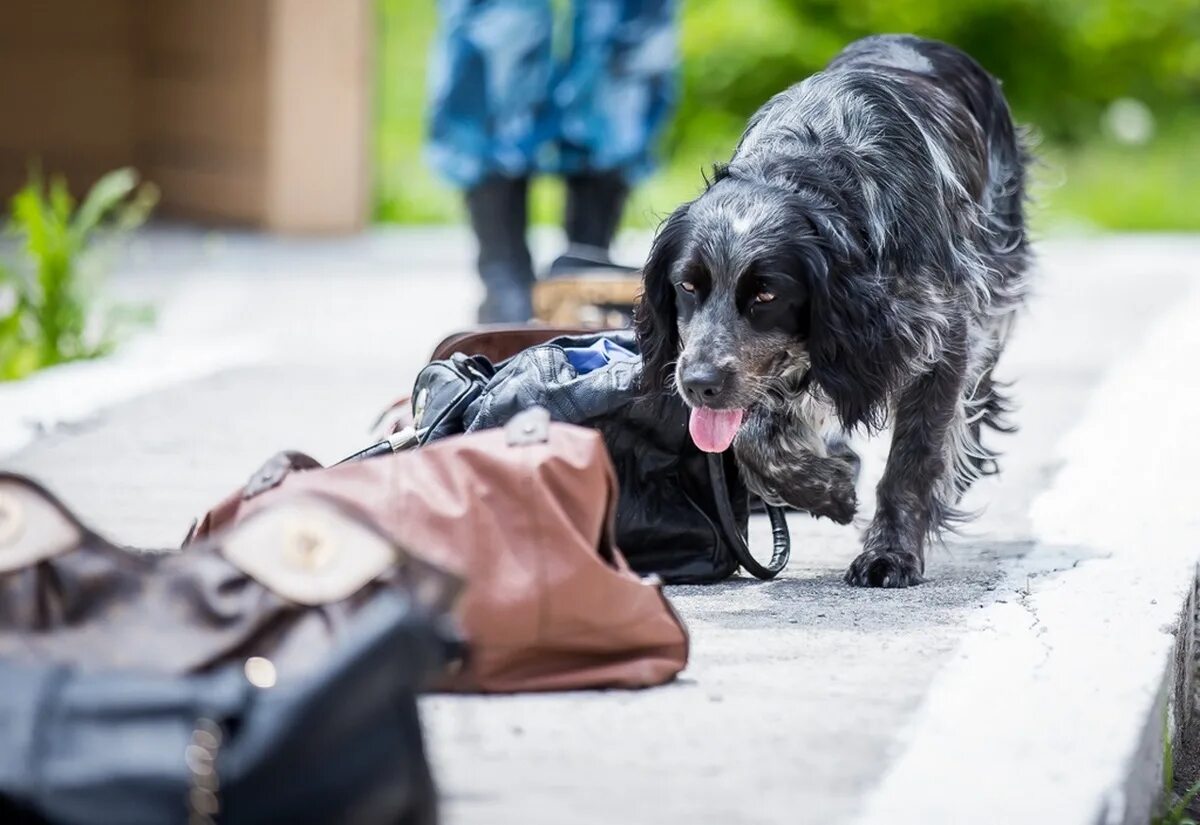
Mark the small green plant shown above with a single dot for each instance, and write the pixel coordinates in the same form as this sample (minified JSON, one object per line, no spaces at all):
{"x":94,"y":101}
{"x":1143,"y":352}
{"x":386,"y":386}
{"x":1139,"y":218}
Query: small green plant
{"x":47,"y":298}
{"x":1173,"y":809}
{"x":1177,"y":813}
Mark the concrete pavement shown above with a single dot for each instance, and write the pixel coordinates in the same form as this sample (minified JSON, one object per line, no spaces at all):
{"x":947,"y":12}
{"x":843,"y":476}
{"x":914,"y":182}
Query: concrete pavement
{"x":805,"y":700}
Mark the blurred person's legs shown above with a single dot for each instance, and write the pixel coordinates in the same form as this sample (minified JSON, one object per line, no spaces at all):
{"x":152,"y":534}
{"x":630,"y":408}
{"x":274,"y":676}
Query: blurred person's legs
{"x":612,"y":100}
{"x":489,"y":80}
{"x":500,"y":112}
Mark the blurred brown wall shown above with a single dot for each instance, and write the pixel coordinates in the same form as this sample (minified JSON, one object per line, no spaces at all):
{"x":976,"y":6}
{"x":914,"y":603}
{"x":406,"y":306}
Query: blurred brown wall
{"x":251,"y":112}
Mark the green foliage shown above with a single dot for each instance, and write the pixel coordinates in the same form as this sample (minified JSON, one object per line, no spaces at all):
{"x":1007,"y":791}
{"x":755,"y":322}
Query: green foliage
{"x":1063,"y":63}
{"x":1173,"y":810}
{"x":1176,"y":813}
{"x":406,"y":191}
{"x":46,"y":298}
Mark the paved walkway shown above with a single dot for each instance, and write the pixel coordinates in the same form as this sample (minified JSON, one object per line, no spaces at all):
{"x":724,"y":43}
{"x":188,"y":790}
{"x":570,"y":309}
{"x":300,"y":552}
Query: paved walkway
{"x":805,"y":700}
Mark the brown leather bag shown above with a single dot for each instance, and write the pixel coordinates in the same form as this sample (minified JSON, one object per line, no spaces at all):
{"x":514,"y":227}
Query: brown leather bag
{"x":525,"y":515}
{"x":499,"y":341}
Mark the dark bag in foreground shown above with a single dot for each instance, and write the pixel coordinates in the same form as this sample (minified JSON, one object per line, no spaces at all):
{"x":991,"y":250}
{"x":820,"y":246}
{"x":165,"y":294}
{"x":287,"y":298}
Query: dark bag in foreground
{"x":682,"y":513}
{"x":265,"y":675}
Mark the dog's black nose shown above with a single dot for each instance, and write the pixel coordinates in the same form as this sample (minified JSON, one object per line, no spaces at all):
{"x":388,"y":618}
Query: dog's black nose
{"x":702,"y":383}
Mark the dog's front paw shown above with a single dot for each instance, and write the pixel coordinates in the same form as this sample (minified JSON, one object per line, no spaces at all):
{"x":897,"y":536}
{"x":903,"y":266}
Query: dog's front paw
{"x":825,"y":490}
{"x":837,"y":503}
{"x":885,"y":568}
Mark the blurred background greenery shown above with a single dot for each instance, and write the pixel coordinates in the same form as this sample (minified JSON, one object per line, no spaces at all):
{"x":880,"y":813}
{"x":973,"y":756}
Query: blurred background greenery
{"x":1111,"y":88}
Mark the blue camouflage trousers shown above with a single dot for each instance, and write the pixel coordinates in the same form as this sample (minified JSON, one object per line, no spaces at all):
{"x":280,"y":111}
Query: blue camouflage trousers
{"x":509,"y":97}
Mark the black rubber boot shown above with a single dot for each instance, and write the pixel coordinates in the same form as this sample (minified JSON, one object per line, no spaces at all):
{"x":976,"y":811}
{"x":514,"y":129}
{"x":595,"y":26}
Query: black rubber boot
{"x":594,"y":206}
{"x":499,"y":209}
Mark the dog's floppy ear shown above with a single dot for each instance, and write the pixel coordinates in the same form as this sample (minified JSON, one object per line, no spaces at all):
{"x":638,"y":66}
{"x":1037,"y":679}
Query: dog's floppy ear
{"x":854,"y":345}
{"x":654,"y":318}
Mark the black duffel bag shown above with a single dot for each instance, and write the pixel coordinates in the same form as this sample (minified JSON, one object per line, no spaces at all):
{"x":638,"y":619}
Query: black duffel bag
{"x":134,"y":748}
{"x":682,"y":513}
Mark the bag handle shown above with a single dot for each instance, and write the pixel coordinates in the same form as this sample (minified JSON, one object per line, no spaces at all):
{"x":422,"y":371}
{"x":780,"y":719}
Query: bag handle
{"x":781,"y":539}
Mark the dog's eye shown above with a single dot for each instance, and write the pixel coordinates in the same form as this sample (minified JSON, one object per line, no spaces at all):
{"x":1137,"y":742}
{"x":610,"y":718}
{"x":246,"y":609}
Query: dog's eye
{"x":764,"y":297}
{"x":688,"y":287}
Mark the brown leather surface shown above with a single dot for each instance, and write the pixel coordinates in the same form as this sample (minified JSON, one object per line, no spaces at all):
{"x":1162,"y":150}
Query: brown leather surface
{"x":314,"y":565}
{"x":549,"y":603}
{"x":500,"y":341}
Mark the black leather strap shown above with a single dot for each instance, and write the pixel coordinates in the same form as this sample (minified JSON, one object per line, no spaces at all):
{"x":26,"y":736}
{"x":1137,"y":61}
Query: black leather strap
{"x":781,"y":549}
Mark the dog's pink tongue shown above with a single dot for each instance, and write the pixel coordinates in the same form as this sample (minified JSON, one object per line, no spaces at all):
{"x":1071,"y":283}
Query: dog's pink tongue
{"x":713,"y":430}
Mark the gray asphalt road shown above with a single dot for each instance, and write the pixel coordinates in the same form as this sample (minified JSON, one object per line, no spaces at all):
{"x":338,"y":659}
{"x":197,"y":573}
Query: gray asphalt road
{"x":800,"y":691}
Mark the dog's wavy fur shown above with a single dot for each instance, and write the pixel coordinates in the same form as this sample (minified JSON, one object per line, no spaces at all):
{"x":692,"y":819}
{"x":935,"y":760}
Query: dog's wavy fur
{"x":858,"y":261}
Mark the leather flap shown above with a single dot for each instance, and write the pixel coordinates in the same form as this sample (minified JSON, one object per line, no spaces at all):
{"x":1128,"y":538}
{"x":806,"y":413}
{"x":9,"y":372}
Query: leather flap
{"x":308,"y":551}
{"x":33,"y":527}
{"x":276,"y":468}
{"x":443,"y":390}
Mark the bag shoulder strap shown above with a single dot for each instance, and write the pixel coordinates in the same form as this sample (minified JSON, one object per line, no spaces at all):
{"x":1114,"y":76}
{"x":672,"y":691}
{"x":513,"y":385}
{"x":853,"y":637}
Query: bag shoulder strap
{"x":781,"y":539}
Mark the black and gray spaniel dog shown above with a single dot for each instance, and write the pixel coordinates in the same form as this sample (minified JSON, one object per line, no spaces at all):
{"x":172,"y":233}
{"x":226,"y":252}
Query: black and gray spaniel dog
{"x":859,"y":261}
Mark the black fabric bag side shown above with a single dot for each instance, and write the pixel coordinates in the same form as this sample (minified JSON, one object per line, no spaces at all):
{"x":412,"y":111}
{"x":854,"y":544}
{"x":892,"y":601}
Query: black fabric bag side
{"x":133,"y":748}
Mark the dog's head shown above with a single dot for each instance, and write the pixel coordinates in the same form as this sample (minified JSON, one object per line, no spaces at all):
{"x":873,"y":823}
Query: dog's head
{"x":755,"y":288}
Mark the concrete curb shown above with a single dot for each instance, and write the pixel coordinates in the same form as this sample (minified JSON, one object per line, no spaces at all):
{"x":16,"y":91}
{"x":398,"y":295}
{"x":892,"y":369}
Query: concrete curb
{"x":1056,"y":708}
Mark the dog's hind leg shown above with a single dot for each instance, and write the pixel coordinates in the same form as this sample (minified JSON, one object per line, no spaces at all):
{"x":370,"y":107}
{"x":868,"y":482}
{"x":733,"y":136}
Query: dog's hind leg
{"x":916,"y":493}
{"x":987,"y":408}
